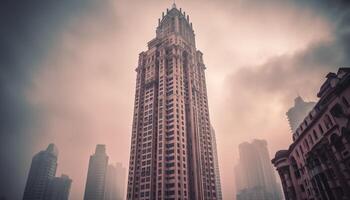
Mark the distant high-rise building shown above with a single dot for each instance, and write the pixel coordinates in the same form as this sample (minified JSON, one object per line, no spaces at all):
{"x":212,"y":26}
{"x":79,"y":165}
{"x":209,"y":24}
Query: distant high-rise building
{"x":95,"y":182}
{"x":317,"y":164}
{"x":115,"y":182}
{"x":171,"y":154}
{"x":42,"y":170}
{"x":216,"y":164}
{"x":240,"y":182}
{"x":111,"y":183}
{"x":298,"y":112}
{"x":58,"y":188}
{"x":121,"y":181}
{"x":255,"y":178}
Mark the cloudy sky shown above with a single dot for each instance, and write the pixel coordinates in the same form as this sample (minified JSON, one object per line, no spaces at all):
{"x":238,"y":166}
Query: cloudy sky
{"x":67,"y":74}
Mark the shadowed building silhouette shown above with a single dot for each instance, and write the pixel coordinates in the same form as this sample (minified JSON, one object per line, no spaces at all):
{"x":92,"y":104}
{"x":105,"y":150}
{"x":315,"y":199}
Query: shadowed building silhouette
{"x":121,"y":181}
{"x":42,"y":170}
{"x":115,"y":182}
{"x":255,"y":178}
{"x":298,"y":112}
{"x":111,"y":183}
{"x":58,"y":188}
{"x":95,"y":182}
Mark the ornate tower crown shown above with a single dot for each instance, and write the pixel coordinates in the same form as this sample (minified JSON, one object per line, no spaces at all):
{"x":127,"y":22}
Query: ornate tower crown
{"x":175,"y":22}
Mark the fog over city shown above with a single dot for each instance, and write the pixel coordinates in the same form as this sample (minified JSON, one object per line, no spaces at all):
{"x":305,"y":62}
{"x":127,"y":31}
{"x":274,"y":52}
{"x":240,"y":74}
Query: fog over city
{"x":67,"y":75}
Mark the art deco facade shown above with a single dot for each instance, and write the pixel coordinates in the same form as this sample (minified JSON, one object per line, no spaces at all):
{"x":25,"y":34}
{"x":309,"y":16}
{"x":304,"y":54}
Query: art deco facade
{"x":95,"y":182}
{"x":42,"y":170}
{"x":316,"y":165}
{"x":255,"y":178}
{"x":171,"y":145}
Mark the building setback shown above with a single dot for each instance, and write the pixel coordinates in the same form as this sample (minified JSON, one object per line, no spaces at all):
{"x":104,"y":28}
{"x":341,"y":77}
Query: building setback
{"x":43,"y":168}
{"x":255,"y":178}
{"x":171,"y":154}
{"x":317,"y":163}
{"x":95,"y":182}
{"x":58,"y":188}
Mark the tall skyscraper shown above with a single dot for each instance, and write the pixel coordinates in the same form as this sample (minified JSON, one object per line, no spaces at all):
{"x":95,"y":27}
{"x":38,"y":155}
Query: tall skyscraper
{"x":216,"y":164}
{"x":43,"y":168}
{"x":171,"y":153}
{"x":255,"y":178}
{"x":58,"y":188}
{"x":95,"y":182}
{"x":115,"y":182}
{"x":298,"y":112}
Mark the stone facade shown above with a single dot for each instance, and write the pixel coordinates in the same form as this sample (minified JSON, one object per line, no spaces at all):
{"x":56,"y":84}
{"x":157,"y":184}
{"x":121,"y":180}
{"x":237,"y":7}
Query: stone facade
{"x":317,"y":163}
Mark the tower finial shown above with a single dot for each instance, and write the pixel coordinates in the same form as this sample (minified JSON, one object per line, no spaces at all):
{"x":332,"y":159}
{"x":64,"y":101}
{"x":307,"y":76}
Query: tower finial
{"x":174,"y":4}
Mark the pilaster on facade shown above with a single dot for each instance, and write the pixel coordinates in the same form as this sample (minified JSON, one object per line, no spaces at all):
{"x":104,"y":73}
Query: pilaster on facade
{"x":171,"y":152}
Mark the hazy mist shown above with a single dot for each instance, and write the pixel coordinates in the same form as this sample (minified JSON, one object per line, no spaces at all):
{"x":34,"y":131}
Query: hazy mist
{"x":67,"y":74}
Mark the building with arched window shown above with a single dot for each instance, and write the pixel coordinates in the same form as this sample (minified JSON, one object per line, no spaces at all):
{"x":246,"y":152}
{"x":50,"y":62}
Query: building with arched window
{"x":317,"y":164}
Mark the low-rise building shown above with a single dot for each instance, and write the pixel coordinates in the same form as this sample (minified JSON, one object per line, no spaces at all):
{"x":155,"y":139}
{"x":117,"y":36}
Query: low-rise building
{"x":317,"y":164}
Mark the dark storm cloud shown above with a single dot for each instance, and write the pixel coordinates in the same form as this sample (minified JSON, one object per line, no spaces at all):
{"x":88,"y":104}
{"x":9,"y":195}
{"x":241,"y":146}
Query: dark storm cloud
{"x":260,"y":94}
{"x":28,"y":29}
{"x":304,"y":70}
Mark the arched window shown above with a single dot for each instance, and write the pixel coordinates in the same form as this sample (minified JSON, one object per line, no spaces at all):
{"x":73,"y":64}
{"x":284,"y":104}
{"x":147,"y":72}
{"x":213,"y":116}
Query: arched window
{"x":345,"y":101}
{"x":321,"y":129}
{"x":307,"y":144}
{"x":346,"y":133}
{"x":337,"y":142}
{"x":328,"y":122}
{"x":311,"y":140}
{"x":315,"y":135}
{"x":294,"y":165}
{"x":337,"y":111}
